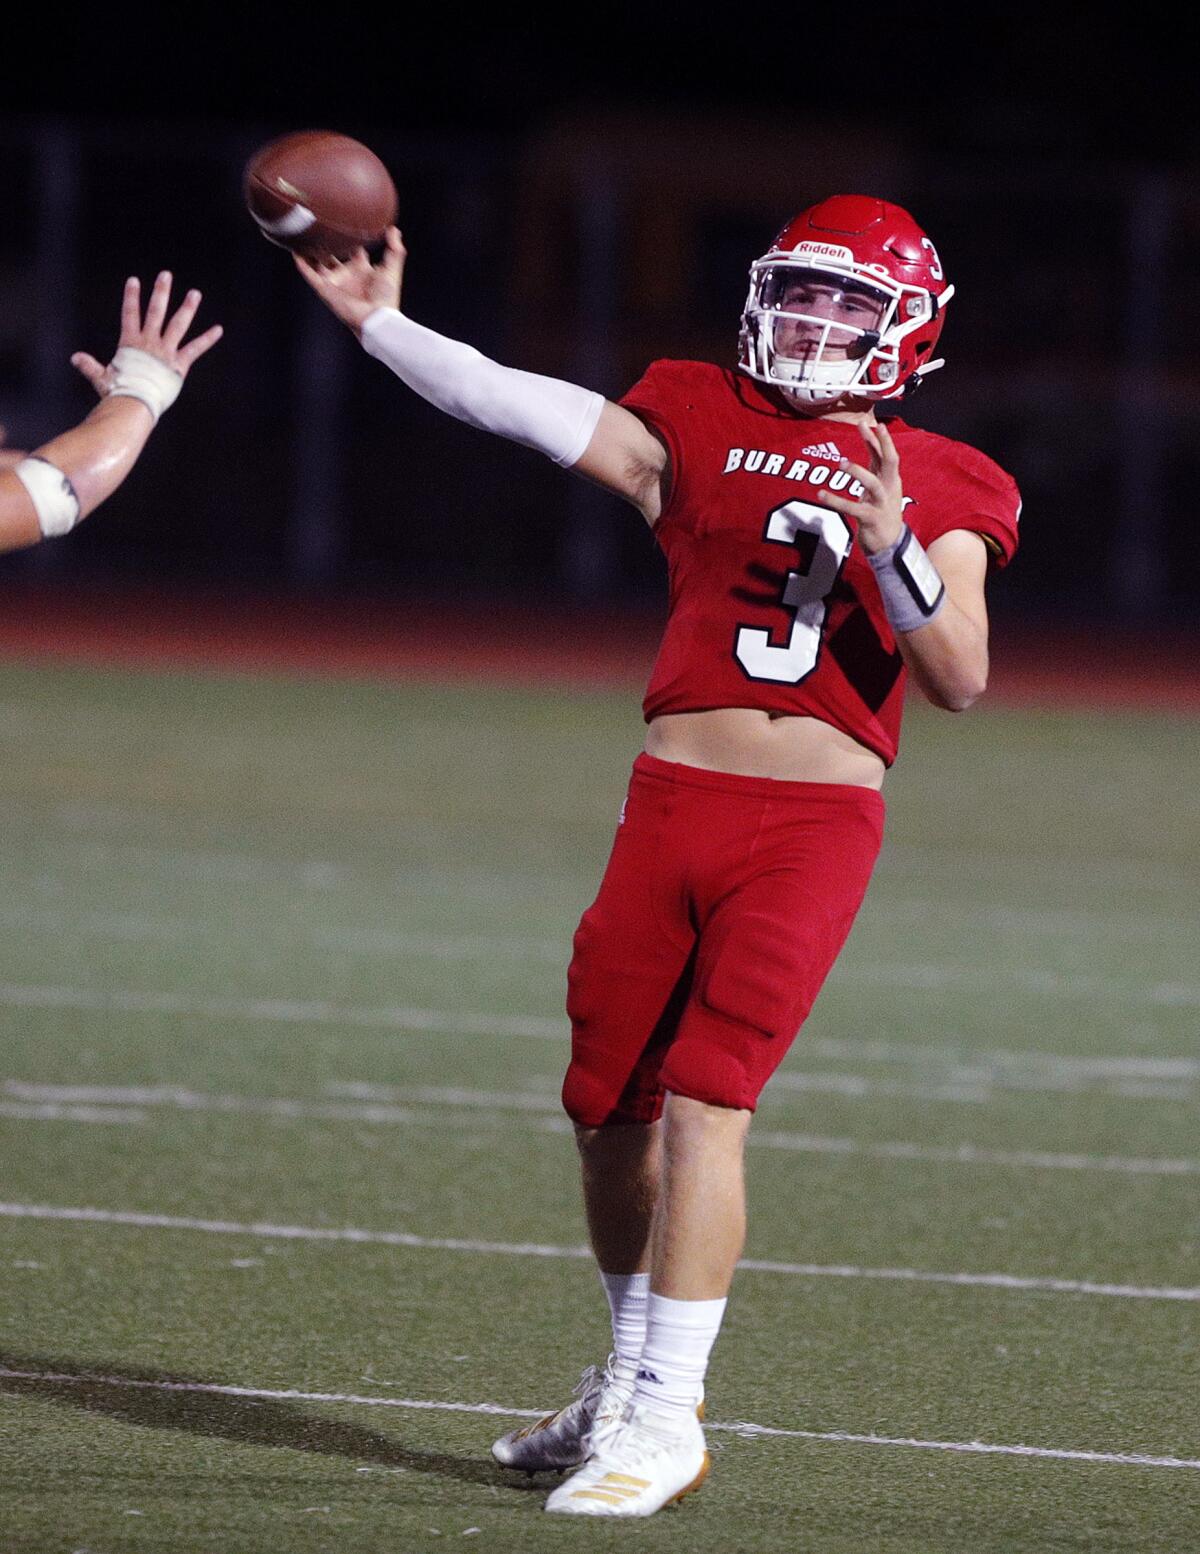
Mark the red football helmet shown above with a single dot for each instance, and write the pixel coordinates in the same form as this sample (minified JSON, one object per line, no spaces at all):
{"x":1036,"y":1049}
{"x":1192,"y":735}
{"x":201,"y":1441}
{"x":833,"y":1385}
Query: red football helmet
{"x":848,"y":301}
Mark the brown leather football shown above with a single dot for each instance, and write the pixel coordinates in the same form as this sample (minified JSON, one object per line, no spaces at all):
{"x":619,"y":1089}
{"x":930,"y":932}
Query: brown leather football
{"x":320,"y":194}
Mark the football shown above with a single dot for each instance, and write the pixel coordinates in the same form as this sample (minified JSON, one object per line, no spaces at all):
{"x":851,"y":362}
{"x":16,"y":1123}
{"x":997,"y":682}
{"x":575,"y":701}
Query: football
{"x":320,"y":194}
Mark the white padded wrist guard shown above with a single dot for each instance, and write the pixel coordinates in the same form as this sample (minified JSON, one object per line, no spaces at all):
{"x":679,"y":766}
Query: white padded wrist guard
{"x":51,"y":493}
{"x":554,"y":417}
{"x":142,"y":376}
{"x":912,"y":587}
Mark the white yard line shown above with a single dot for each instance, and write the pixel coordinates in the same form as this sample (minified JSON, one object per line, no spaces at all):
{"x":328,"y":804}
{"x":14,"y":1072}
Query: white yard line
{"x":1045,"y":984}
{"x":992,"y":1061}
{"x":266,"y":1230}
{"x":900,"y":860}
{"x":55,"y":1111}
{"x":386,"y":1017}
{"x":974,"y":1154}
{"x":377,"y":941}
{"x":970,"y":865}
{"x":128,"y":927}
{"x":282,"y":1010}
{"x":55,"y":1103}
{"x":200,"y":866}
{"x":544,"y":1100}
{"x":1051,"y":1071}
{"x":975,"y":1084}
{"x":99,"y":1097}
{"x":743,"y":1429}
{"x":1149,"y":924}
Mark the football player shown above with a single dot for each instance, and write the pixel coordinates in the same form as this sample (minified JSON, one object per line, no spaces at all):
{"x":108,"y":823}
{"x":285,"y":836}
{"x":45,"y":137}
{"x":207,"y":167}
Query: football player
{"x":818,"y":555}
{"x":46,"y":493}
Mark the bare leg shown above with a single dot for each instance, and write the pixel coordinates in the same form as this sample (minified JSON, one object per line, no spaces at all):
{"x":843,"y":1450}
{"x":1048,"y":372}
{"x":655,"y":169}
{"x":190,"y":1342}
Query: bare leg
{"x":700,"y":1221}
{"x":622,"y":1170}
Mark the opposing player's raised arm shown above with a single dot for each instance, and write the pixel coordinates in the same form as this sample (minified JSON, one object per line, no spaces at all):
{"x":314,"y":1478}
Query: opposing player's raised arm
{"x":574,"y":426}
{"x":48,"y":492}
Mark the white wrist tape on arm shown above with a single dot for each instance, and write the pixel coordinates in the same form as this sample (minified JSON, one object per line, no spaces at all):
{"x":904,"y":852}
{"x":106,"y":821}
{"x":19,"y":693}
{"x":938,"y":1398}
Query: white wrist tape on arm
{"x":142,"y":376}
{"x":554,"y":417}
{"x":912,"y":587}
{"x":51,"y":493}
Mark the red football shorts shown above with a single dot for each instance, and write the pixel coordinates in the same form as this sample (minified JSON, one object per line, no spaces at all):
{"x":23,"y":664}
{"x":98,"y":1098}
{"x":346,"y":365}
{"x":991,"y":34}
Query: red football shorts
{"x":725,"y":902}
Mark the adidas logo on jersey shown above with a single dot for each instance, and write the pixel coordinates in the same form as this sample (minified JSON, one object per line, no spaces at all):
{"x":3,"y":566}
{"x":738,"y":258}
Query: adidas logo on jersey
{"x":823,"y":450}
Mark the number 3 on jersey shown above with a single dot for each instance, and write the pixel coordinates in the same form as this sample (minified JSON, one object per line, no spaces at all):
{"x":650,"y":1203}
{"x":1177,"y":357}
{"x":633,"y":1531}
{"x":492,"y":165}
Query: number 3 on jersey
{"x":806,"y":593}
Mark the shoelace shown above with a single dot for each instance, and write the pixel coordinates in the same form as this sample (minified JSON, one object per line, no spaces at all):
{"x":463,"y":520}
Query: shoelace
{"x":596,"y":1379}
{"x":591,"y":1378}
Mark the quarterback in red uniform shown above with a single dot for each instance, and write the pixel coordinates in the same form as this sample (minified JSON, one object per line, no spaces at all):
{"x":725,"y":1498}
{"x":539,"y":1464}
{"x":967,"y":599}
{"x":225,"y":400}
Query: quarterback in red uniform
{"x":817,"y":557}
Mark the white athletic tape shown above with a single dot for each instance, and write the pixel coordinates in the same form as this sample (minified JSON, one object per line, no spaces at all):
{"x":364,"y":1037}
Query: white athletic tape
{"x":138,"y":375}
{"x":52,"y":494}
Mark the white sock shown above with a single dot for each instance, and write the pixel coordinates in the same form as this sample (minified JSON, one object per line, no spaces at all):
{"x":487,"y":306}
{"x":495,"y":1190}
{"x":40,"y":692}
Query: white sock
{"x":679,"y":1338}
{"x":627,"y":1296}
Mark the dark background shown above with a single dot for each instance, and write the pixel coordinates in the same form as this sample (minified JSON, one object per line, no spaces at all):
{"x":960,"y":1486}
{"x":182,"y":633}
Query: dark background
{"x":579,"y":198}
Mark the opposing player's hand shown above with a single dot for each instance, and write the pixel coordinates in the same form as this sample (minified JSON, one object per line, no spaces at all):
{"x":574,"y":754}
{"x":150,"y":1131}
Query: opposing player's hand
{"x":156,"y":334}
{"x":879,"y":512}
{"x":354,"y":288}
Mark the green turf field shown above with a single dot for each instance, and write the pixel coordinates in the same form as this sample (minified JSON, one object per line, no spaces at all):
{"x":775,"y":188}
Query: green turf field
{"x":284,"y":960}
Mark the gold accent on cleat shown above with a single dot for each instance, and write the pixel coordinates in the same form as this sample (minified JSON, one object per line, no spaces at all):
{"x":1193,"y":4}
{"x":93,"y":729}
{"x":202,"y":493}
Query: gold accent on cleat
{"x":695,"y":1484}
{"x":615,"y":1479}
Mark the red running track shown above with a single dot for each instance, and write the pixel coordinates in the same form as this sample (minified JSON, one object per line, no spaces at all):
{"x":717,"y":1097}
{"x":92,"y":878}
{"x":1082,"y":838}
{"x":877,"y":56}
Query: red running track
{"x":158,"y":627}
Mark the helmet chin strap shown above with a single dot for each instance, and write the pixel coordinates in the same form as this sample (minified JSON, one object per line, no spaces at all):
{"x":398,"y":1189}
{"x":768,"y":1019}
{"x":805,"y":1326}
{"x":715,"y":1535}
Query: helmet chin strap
{"x":815,"y":394}
{"x":811,"y":399}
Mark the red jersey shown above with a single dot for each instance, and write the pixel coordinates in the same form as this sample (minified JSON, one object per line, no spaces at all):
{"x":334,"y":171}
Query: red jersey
{"x":771,"y":604}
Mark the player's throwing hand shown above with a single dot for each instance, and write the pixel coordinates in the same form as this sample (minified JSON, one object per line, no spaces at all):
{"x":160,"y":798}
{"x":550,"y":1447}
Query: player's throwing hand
{"x":352,"y":289}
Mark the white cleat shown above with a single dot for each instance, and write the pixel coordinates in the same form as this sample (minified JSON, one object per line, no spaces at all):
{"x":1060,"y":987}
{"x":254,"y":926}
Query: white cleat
{"x":563,"y":1440}
{"x":643,"y":1461}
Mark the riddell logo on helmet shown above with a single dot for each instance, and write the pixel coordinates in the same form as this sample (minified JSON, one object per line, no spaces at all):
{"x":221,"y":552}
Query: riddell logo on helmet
{"x":823,"y":251}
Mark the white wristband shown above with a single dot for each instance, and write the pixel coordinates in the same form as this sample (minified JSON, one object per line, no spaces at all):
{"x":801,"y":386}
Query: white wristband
{"x":142,"y":376}
{"x":554,"y":417}
{"x":911,"y":586}
{"x":52,"y":494}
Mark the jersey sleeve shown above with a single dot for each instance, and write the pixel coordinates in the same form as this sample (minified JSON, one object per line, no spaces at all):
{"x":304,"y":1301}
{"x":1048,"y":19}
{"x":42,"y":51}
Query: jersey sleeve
{"x":665,"y":398}
{"x":977,"y":495}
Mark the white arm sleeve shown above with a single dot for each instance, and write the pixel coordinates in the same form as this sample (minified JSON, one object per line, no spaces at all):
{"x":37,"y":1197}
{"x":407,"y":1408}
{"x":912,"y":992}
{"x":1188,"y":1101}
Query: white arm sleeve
{"x":554,"y":417}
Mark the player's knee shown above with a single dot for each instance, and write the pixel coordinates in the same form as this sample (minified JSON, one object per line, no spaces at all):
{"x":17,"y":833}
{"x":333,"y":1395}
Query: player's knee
{"x":733,"y":1036}
{"x":601,"y":1089}
{"x":587,"y":1099}
{"x":715,"y":1074}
